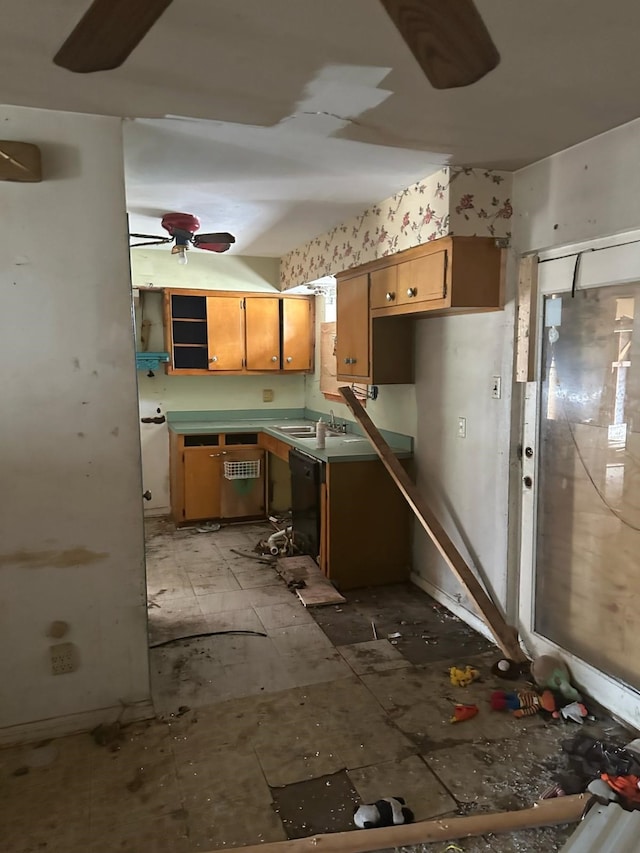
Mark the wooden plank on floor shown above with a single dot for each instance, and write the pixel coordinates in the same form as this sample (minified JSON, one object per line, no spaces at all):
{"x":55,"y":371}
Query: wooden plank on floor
{"x":318,"y":595}
{"x":505,"y":635}
{"x":545,"y":813}
{"x":318,"y":590}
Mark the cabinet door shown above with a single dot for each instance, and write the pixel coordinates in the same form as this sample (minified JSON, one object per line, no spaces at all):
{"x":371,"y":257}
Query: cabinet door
{"x":297,"y":336}
{"x":262,"y":323}
{"x":202,"y":482}
{"x":422,"y":280}
{"x":352,"y":345}
{"x":242,"y":496}
{"x":383,"y":287}
{"x":225,"y":332}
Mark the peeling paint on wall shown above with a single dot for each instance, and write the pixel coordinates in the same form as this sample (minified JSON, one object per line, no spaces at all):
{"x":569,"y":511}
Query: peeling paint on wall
{"x":53,"y":559}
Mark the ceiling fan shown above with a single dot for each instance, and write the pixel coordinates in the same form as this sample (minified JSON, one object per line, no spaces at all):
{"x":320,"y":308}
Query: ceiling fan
{"x":448,"y":38}
{"x":182,"y":228}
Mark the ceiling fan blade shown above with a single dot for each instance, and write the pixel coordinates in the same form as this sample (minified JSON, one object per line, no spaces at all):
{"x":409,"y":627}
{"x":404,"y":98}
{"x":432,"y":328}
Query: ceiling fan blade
{"x":107,"y":33}
{"x":449,"y":39}
{"x":149,"y":240}
{"x":221,"y":237}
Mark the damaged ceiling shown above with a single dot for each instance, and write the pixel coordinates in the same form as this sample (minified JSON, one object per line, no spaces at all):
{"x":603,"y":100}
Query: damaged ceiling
{"x":306,"y":120}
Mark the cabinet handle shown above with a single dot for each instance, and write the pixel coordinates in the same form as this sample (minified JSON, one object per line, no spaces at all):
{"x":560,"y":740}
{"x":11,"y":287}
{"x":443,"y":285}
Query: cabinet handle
{"x":274,"y":358}
{"x":214,"y":359}
{"x":412,"y":291}
{"x":212,"y":455}
{"x":289,"y":359}
{"x":350,"y":360}
{"x":390,"y":297}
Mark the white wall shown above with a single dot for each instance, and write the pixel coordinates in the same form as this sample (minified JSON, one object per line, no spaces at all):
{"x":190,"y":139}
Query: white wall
{"x":159,"y":268}
{"x":394,"y":410}
{"x":71,"y":520}
{"x":206,"y":270}
{"x":464,"y":479}
{"x":588,"y":191}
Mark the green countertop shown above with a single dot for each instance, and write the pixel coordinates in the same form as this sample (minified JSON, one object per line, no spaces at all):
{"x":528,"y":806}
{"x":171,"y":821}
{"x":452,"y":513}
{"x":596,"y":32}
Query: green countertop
{"x":350,"y":447}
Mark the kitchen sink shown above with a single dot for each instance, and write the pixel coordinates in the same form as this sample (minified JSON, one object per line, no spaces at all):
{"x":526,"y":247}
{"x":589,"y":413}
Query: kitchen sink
{"x":308,"y":429}
{"x":305,"y":431}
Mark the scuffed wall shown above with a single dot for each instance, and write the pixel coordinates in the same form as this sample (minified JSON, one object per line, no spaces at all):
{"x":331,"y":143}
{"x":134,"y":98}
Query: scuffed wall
{"x":71,"y":538}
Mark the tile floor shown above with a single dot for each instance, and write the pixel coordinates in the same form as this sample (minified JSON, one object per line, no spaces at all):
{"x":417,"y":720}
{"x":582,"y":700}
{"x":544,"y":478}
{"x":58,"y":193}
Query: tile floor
{"x":277,"y":734}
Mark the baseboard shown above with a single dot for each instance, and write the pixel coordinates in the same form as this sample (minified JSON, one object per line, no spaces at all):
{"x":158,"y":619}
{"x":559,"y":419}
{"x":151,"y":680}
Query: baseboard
{"x":73,"y":724}
{"x":454,"y":606}
{"x":154,"y":511}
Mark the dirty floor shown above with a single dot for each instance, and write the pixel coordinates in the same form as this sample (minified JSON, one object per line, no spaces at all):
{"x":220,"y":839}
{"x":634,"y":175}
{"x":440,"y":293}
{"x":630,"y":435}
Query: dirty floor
{"x":278,"y":733}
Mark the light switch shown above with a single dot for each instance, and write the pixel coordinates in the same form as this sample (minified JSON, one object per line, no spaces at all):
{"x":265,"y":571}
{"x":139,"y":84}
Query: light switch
{"x":462,"y":427}
{"x":496,"y":387}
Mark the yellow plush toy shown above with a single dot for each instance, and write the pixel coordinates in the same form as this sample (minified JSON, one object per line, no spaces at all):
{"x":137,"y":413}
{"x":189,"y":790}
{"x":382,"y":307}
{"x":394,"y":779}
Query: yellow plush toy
{"x":462,"y":677}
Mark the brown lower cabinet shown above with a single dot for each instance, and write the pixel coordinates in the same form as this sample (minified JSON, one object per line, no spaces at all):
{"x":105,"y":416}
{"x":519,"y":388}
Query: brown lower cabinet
{"x":213,"y":479}
{"x":366,"y":526}
{"x":365,"y":535}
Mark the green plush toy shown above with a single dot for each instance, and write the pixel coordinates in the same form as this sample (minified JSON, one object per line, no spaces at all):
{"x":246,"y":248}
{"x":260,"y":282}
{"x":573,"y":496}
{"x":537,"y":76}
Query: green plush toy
{"x":551,"y":672}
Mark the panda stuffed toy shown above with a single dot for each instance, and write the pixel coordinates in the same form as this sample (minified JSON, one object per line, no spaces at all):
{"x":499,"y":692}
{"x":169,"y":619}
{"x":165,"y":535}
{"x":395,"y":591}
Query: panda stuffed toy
{"x":389,"y":811}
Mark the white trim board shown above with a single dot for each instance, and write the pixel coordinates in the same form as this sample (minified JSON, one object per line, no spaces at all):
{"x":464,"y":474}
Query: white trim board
{"x":73,"y":724}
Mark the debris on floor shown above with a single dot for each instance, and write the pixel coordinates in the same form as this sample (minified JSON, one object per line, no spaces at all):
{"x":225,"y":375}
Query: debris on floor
{"x":552,"y":672}
{"x":389,"y":811}
{"x":317,"y":590}
{"x":209,"y":527}
{"x":261,"y":558}
{"x":151,"y":599}
{"x":523,"y":703}
{"x":463,"y":677}
{"x":510,"y":669}
{"x":464,"y":712}
{"x":292,"y":730}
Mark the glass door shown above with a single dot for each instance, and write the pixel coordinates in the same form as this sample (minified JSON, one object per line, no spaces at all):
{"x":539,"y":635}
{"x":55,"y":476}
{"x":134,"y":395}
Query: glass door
{"x":580,"y":566}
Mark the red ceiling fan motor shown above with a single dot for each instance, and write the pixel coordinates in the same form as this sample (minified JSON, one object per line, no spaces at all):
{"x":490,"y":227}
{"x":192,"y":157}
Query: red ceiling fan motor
{"x":172,"y":222}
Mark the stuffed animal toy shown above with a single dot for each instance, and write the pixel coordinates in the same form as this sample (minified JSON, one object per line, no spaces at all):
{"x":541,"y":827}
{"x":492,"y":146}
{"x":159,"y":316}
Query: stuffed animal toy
{"x":550,"y":671}
{"x":463,"y":712}
{"x":389,"y":811}
{"x":462,"y":677}
{"x":523,"y":703}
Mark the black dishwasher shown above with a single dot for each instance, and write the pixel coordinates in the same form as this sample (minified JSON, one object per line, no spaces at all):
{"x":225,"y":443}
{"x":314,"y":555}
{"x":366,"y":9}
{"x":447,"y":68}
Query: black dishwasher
{"x":306,"y":477}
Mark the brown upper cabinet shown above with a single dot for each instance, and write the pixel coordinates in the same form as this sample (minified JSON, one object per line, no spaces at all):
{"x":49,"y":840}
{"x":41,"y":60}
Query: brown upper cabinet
{"x":352,"y":344}
{"x":377,"y":301}
{"x":224,"y":332}
{"x":453,"y":275}
{"x":297,"y":334}
{"x":367,"y":350}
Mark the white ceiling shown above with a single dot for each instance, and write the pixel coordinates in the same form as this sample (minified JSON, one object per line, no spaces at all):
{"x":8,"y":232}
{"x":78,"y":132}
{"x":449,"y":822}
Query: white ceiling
{"x":315,"y":108}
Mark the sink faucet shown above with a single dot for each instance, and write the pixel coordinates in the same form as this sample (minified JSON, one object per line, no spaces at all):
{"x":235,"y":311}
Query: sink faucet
{"x":334,"y":425}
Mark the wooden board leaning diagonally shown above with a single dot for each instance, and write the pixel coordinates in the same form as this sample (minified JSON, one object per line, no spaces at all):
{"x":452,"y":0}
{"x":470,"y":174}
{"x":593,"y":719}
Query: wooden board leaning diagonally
{"x":506,"y":636}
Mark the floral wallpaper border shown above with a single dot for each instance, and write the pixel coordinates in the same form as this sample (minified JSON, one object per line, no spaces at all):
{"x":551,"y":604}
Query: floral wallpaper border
{"x":454,"y":200}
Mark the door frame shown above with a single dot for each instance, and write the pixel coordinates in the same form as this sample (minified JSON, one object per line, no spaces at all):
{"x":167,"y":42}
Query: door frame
{"x":607,"y":261}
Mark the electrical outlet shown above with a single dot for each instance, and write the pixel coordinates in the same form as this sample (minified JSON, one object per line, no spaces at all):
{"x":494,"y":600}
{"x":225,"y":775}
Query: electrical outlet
{"x":496,"y":387}
{"x":267,"y":395}
{"x":64,"y":658}
{"x":462,"y":427}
